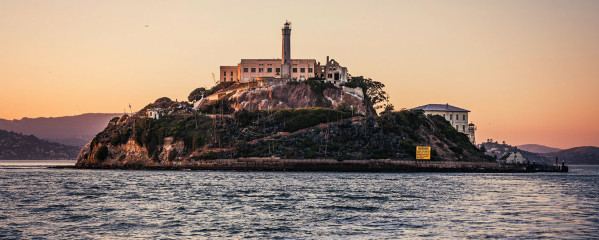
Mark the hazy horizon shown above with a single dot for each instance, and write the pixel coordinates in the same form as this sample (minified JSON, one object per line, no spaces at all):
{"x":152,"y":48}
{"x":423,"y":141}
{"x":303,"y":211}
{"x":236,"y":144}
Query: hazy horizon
{"x":527,"y":70}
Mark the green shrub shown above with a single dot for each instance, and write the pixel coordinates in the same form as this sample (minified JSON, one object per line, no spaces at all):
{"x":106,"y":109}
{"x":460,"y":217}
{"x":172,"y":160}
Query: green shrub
{"x":172,"y":155}
{"x":457,"y":150}
{"x":293,"y":119}
{"x":151,"y":133}
{"x":102,"y":153}
{"x":121,"y":138}
{"x":318,"y":85}
{"x":409,"y":147}
{"x":296,"y":119}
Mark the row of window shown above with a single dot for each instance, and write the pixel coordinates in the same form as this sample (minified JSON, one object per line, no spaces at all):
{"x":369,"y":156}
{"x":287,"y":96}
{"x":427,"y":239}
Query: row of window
{"x":457,"y":117}
{"x":225,"y":74}
{"x":302,"y":70}
{"x":278,"y":70}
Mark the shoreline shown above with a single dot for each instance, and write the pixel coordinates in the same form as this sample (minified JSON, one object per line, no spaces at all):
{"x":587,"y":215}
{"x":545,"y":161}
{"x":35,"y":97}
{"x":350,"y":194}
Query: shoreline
{"x":331,"y":165}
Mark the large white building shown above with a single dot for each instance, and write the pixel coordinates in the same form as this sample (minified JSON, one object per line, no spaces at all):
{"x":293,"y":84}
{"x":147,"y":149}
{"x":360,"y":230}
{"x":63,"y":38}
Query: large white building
{"x":457,"y":117}
{"x":286,"y":68}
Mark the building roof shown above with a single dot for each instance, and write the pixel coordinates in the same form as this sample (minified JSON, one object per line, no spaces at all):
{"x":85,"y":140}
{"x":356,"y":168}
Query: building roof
{"x":273,"y":59}
{"x":441,"y":108}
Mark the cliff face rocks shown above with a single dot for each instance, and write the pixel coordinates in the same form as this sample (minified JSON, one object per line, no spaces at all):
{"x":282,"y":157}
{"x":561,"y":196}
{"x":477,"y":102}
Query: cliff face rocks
{"x":292,"y":95}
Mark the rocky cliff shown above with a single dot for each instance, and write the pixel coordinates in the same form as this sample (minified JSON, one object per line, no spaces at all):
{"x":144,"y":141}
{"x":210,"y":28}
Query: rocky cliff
{"x":290,"y":95}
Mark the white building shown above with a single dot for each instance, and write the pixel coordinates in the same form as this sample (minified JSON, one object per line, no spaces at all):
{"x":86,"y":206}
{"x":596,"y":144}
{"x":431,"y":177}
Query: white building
{"x":285,"y":68}
{"x":457,"y":117}
{"x":154,"y":113}
{"x":513,"y":158}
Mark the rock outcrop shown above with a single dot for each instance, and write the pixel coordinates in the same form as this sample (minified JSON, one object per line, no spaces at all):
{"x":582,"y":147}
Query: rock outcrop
{"x":286,"y":96}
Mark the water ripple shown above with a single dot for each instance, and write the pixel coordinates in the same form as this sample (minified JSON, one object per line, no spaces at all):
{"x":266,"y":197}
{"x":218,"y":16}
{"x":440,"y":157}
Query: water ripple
{"x":68,"y":203}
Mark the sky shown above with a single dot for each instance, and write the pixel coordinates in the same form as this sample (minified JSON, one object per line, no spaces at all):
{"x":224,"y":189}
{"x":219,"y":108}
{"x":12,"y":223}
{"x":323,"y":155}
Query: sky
{"x":527,"y":70}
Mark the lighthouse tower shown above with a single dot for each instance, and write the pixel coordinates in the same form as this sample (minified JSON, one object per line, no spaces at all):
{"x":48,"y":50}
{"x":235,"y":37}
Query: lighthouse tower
{"x":286,"y":59}
{"x":471,"y":130}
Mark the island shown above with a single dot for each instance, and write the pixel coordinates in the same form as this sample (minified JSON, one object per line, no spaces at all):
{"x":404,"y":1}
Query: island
{"x":287,"y":115}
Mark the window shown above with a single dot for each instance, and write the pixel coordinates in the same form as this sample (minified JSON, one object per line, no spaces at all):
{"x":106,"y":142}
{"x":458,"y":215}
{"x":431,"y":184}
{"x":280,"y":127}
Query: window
{"x":443,"y":115}
{"x":269,"y":70}
{"x":224,"y":73}
{"x":463,"y":128}
{"x":302,"y":70}
{"x":245,"y":69}
{"x":231,"y":74}
{"x":330,"y":75}
{"x":463,"y":116}
{"x":278,"y":70}
{"x":450,"y":116}
{"x":260,"y":69}
{"x":294,"y":70}
{"x":457,"y":127}
{"x":457,"y":117}
{"x":231,"y":79}
{"x":309,"y":70}
{"x":253,"y":69}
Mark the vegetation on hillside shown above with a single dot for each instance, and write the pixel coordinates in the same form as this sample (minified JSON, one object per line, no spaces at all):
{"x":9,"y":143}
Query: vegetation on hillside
{"x":375,"y":96}
{"x":195,"y":131}
{"x":216,"y":130}
{"x":197,"y":94}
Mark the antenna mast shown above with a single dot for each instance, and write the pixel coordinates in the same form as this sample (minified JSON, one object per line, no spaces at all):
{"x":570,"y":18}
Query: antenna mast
{"x":214,"y":79}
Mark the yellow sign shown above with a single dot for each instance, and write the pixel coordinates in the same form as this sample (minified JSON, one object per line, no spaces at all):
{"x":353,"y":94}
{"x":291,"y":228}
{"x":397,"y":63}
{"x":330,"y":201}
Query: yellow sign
{"x":423,"y":152}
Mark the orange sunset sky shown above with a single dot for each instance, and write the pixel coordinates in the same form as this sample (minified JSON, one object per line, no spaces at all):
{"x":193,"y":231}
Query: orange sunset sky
{"x":528,"y":70}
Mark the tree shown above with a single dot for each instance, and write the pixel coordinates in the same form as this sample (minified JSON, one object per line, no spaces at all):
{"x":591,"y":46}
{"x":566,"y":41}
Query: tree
{"x":388,"y":108}
{"x":374,"y":95}
{"x":483,"y":148}
{"x":196,"y":94}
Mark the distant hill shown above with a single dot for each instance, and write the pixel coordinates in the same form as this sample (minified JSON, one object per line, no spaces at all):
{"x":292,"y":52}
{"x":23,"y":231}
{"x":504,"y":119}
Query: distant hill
{"x":15,"y":146}
{"x":536,"y":148}
{"x":577,"y":155}
{"x":69,"y":130}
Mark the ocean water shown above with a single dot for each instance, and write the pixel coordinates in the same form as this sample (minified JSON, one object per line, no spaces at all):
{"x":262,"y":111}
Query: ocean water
{"x":37,"y":202}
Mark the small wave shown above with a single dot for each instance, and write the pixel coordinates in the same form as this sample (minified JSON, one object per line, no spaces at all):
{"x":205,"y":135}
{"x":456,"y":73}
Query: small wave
{"x":382,"y":198}
{"x":364,"y":208}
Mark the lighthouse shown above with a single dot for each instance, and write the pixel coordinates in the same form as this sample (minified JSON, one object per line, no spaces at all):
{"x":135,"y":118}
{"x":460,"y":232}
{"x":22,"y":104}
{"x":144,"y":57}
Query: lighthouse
{"x":269,"y":71}
{"x":471,"y":130}
{"x":286,"y":58}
